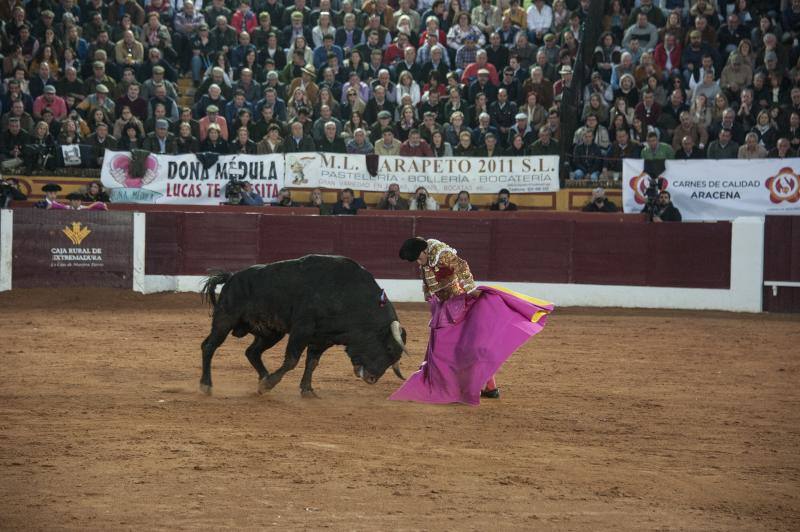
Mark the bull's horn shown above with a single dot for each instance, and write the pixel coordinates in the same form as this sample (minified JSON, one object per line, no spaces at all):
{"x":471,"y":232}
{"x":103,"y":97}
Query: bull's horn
{"x":398,"y":336}
{"x":396,"y":368}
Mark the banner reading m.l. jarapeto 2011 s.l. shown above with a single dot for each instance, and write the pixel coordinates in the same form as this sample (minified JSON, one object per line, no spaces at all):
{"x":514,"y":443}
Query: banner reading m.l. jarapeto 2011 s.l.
{"x":441,"y":175}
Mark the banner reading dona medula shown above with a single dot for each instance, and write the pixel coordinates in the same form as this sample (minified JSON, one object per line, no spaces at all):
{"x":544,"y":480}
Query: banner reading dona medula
{"x":187,"y":179}
{"x":439,"y":175}
{"x":719,"y":189}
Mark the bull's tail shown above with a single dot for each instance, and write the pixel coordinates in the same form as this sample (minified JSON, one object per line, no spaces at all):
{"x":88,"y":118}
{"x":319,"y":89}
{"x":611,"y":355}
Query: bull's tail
{"x":209,"y":290}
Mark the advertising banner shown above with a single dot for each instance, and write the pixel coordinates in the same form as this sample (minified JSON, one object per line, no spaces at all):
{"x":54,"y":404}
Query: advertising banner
{"x":439,"y":175}
{"x":72,"y":248}
{"x":192,"y":180}
{"x":719,"y":189}
{"x":188,"y":179}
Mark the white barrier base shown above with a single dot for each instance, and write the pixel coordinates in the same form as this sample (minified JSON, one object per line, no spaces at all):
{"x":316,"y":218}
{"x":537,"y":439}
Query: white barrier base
{"x":744,"y":294}
{"x":6,"y":243}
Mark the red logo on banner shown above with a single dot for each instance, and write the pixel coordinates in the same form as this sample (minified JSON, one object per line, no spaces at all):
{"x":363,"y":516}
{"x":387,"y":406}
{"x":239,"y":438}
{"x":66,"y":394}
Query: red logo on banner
{"x":639,"y":185}
{"x":784,"y":186}
{"x":121,"y":171}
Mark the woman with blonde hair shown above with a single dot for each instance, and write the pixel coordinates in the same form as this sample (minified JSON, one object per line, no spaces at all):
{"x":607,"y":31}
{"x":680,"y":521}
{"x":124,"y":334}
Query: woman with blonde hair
{"x":407,"y":86}
{"x":407,"y":122}
{"x":353,"y":104}
{"x":719,"y":106}
{"x":297,"y":101}
{"x":700,"y":111}
{"x":765,"y":130}
{"x":300,"y":44}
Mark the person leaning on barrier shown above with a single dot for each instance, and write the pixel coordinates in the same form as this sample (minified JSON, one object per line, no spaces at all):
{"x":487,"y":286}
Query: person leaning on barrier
{"x":599,"y":203}
{"x":463,"y":202}
{"x":392,"y":200}
{"x":285,"y":198}
{"x":95,"y":192}
{"x":503,"y":202}
{"x":316,"y":202}
{"x":665,"y":211}
{"x":347,"y":203}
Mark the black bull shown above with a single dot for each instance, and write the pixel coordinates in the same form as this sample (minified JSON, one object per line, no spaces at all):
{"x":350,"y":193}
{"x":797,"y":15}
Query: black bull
{"x":319,"y":301}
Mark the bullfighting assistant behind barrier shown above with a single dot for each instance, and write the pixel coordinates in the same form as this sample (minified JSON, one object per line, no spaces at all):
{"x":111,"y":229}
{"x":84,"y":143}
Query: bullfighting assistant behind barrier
{"x":473,"y":329}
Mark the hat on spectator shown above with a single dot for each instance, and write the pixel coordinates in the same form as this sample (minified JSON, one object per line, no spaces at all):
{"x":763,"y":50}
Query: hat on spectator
{"x":74,"y":196}
{"x":597,"y":193}
{"x":212,"y":109}
{"x":566,"y":69}
{"x":309,"y":69}
{"x":770,"y":56}
{"x":49,"y":89}
{"x":469,"y":37}
{"x":162,"y":124}
{"x":549,"y":37}
{"x":384,"y":114}
{"x":52,"y":187}
{"x":483,"y":71}
{"x":521,"y":116}
{"x":101,"y":88}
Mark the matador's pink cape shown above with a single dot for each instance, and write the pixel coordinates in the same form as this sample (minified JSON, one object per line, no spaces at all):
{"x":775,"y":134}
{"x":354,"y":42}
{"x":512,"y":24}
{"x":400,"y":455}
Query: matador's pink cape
{"x":470,"y":339}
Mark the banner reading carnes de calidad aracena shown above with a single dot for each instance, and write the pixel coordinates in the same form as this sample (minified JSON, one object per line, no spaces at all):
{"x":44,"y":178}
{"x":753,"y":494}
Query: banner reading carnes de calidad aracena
{"x":724,"y":189}
{"x":186,"y":179}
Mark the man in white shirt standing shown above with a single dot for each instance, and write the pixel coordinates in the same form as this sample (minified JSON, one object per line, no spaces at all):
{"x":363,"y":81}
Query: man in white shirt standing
{"x":540,"y":18}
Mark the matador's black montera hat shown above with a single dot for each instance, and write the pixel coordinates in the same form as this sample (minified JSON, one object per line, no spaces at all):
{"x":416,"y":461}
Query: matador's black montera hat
{"x":412,"y":248}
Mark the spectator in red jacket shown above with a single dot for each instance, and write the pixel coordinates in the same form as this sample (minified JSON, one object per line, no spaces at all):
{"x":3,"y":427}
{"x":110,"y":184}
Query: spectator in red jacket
{"x":415,"y":146}
{"x":667,"y":56}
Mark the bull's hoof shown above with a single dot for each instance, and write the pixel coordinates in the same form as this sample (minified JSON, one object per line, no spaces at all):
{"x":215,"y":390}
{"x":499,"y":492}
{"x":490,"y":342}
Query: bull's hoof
{"x":309,"y":394}
{"x":205,"y":389}
{"x":266,"y":384}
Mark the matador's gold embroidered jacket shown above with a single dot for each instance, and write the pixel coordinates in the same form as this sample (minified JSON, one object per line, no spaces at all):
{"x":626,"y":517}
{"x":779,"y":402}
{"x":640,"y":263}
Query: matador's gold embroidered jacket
{"x":445,"y":274}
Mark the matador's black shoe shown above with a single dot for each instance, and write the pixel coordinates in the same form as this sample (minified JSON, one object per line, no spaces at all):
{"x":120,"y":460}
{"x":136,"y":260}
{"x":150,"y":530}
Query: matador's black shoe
{"x":491,"y":394}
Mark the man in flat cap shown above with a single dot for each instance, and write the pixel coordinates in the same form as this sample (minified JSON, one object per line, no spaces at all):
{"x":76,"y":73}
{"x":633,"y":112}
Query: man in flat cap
{"x":161,"y":140}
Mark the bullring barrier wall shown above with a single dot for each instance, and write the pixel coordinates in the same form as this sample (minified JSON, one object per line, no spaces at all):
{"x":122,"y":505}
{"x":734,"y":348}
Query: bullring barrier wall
{"x":570,"y":258}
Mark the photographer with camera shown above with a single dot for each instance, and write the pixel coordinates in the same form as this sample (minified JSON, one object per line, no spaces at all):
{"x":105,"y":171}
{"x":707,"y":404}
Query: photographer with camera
{"x":659,"y":208}
{"x":392,"y":201}
{"x":503,"y":202}
{"x":599,"y":202}
{"x":9,"y":191}
{"x":422,"y":201}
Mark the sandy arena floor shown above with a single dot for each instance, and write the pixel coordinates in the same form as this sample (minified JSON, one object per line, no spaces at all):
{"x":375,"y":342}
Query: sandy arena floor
{"x":610,"y":420}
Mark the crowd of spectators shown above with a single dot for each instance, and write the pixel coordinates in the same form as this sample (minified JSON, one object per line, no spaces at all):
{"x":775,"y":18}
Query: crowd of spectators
{"x":668,"y":79}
